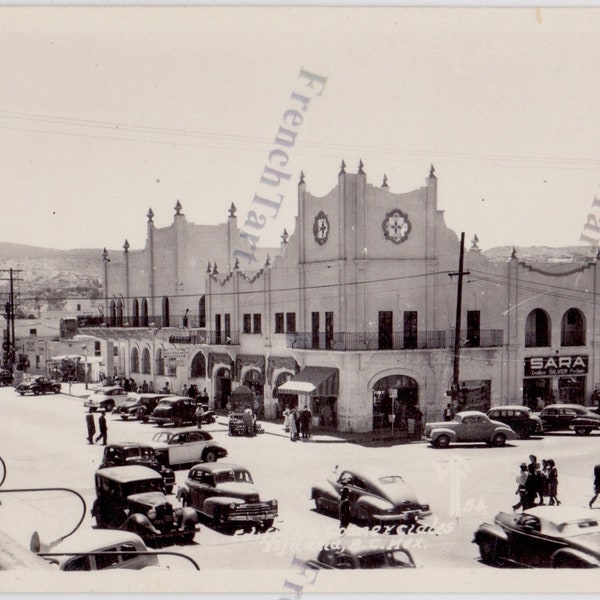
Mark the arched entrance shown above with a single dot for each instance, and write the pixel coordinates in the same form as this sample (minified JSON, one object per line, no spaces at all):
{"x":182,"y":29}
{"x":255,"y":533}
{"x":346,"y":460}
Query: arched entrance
{"x":285,"y":400}
{"x":222,"y":388}
{"x":396,"y":404}
{"x":253,"y":379}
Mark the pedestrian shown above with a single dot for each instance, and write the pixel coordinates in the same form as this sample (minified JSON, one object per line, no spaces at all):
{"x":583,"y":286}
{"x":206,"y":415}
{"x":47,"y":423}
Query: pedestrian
{"x":144,"y":387}
{"x":521,"y":480}
{"x":91,"y":426}
{"x":103,"y":429}
{"x":293,"y":428}
{"x":286,"y":419}
{"x":166,"y":388}
{"x":596,"y":484}
{"x":537,"y":482}
{"x":448,"y":412}
{"x":184,"y":390}
{"x":248,"y":422}
{"x":306,"y":421}
{"x":199,"y":414}
{"x":553,"y":483}
{"x":344,"y":509}
{"x":151,"y":387}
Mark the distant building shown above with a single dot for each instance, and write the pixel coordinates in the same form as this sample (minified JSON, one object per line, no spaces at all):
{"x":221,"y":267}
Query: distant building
{"x":353,"y":315}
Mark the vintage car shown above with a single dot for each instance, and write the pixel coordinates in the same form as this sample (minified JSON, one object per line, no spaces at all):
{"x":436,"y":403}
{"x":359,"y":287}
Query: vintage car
{"x":378,"y":496}
{"x":363,"y":552}
{"x":519,"y":418}
{"x":543,"y":536}
{"x":106,"y":398}
{"x":174,"y":410}
{"x":38,"y":385}
{"x":468,"y":426}
{"x":6,"y":377}
{"x":99,"y":549}
{"x":226,"y":495}
{"x":186,"y":446}
{"x":134,"y":453}
{"x":241,"y":400}
{"x":132,"y":498}
{"x":557,"y":417}
{"x":139,"y":406}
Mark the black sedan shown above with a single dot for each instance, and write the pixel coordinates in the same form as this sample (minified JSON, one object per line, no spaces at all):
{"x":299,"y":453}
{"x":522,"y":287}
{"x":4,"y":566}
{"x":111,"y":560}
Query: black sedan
{"x":38,"y":385}
{"x":544,"y":536}
{"x":562,"y":417}
{"x":379,"y":497}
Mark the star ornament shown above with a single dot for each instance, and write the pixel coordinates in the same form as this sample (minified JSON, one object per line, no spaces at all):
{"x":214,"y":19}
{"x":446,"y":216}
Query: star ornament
{"x":321,"y":228}
{"x":396,"y":226}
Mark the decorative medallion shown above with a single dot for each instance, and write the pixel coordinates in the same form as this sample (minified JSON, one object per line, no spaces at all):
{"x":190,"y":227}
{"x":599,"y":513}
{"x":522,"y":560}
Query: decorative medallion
{"x":396,"y":226}
{"x":321,"y":228}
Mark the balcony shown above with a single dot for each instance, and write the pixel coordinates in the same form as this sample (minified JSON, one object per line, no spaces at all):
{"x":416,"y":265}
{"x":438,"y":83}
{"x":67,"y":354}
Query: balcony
{"x":153,"y":321}
{"x":484,"y":338}
{"x":357,"y":341}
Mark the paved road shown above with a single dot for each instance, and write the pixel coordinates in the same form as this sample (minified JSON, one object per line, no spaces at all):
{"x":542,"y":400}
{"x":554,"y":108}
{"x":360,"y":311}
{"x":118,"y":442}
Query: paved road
{"x":43,"y":442}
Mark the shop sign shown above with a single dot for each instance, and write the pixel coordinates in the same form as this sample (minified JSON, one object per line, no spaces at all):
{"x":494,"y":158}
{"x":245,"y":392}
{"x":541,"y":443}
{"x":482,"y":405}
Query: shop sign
{"x":175,"y":353}
{"x":538,"y":366}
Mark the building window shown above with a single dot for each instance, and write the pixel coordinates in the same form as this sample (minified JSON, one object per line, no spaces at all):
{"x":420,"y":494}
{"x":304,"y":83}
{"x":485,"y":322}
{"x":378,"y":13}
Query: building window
{"x":572,"y":331}
{"x":160,"y":362}
{"x":329,"y":330}
{"x":257,"y":323}
{"x":247,"y":325}
{"x":386,"y":330}
{"x":473,"y":328}
{"x":97,"y":349}
{"x":279,"y":322}
{"x":218,"y":332}
{"x":202,"y":311}
{"x":146,"y":361}
{"x":165,"y":311}
{"x":410,"y":329}
{"x":315,"y":330}
{"x":135,"y":361}
{"x":227,"y":319}
{"x":33,"y":331}
{"x":537,"y":329}
{"x":198,"y":365}
{"x":290,"y":322}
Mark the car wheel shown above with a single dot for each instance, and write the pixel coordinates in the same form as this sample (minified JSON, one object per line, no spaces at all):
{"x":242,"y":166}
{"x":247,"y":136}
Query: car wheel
{"x":582,"y":430}
{"x":488,"y":550}
{"x":217,"y":520}
{"x":36,"y":392}
{"x":267,"y":524}
{"x":363,"y":516}
{"x":499,"y":440}
{"x":124,"y":416}
{"x":443,"y":441}
{"x":177,"y":422}
{"x":320,"y":504}
{"x":22,"y":393}
{"x":522,"y":433}
{"x":169,"y":490}
{"x":210,"y":456}
{"x":188,"y":536}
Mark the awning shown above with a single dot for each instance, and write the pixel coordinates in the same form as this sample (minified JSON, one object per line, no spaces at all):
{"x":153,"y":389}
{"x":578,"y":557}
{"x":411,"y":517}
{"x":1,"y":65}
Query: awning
{"x":315,"y":381}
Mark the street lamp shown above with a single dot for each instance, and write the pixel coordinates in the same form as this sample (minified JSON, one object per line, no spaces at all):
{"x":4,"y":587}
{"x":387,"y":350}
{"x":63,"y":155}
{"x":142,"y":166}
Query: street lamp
{"x":84,"y":348}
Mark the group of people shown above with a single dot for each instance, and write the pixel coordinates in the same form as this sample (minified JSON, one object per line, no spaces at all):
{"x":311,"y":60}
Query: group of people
{"x":535,"y":482}
{"x":194,"y":393}
{"x":91,"y":428}
{"x":297,"y":422}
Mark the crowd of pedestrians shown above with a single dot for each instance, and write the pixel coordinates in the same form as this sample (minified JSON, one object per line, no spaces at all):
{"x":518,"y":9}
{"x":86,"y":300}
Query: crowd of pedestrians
{"x":298,"y":422}
{"x":537,"y":482}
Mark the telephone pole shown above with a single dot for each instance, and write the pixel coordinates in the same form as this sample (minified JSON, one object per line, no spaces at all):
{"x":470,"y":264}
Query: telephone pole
{"x":9,"y":342}
{"x":457,"y":325}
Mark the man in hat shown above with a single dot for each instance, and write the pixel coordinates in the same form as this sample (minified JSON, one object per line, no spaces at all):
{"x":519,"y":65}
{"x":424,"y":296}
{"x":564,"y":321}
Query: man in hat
{"x":91,"y":426}
{"x":103,"y":428}
{"x":521,"y":480}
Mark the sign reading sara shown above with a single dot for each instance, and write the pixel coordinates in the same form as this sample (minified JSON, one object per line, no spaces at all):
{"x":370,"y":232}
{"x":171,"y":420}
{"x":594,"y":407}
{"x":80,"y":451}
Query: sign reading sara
{"x":556,"y":365}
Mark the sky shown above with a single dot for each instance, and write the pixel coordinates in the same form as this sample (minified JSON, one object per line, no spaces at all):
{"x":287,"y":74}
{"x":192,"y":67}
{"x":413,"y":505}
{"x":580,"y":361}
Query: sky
{"x":106,"y":113}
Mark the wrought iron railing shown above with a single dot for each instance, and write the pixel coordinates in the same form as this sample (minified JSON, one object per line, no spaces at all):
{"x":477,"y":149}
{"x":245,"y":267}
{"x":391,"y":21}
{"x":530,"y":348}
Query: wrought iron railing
{"x":484,"y":338}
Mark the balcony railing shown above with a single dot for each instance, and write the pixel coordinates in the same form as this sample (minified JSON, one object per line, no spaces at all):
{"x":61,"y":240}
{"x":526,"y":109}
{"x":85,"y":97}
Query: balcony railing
{"x":484,"y":338}
{"x":154,"y":321}
{"x":352,"y":341}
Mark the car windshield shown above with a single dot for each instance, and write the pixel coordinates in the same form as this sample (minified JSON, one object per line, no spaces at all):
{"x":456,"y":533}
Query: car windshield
{"x":142,"y":486}
{"x":390,"y":479}
{"x":382,"y":560}
{"x":137,"y":453}
{"x":165,"y":402}
{"x":163,"y":436}
{"x":239,"y":476}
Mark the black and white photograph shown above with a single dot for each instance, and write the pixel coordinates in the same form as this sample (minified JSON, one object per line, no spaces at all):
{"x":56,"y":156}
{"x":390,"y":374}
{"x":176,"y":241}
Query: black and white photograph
{"x":290,"y":294}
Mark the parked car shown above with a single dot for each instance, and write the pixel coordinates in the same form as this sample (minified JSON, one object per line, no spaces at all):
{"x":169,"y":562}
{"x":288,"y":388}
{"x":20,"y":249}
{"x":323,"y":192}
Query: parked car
{"x":134,"y":453}
{"x":363,"y":552}
{"x":519,"y":418}
{"x":378,"y":496}
{"x":38,"y":385}
{"x":106,"y":398}
{"x":544,"y":536}
{"x":557,"y":417}
{"x":100,"y":549}
{"x":132,"y":498}
{"x":6,"y":377}
{"x":468,"y":426}
{"x":139,"y":406}
{"x":226,"y":494}
{"x":186,"y":446}
{"x":174,"y":410}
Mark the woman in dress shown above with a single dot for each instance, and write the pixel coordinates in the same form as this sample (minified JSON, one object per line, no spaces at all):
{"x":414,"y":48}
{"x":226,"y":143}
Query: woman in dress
{"x":553,"y":483}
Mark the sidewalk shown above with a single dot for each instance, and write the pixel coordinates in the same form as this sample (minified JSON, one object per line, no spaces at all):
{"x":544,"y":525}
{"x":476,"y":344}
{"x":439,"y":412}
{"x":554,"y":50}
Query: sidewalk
{"x":377,"y":438}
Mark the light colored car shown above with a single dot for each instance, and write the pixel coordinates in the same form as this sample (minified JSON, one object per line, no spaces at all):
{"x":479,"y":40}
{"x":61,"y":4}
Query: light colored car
{"x":106,"y":398}
{"x":99,"y":549}
{"x":378,"y":496}
{"x":186,"y":446}
{"x":468,"y":426}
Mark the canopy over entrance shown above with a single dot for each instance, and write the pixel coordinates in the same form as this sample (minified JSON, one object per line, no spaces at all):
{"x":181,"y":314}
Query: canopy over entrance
{"x":314,"y":381}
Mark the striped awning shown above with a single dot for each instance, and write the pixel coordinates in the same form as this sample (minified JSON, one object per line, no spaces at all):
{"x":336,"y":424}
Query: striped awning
{"x":314,"y":381}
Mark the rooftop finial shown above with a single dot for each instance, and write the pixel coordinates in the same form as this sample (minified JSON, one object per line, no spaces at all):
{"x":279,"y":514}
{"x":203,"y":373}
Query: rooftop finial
{"x":301,"y":178}
{"x":474,"y":243}
{"x":208,"y":267}
{"x":236,"y":267}
{"x":598,"y":253}
{"x":105,"y":256}
{"x":343,"y":167}
{"x":432,"y":172}
{"x":126,"y":246}
{"x":150,"y":215}
{"x":178,"y":208}
{"x":215,"y":270}
{"x":513,"y":254}
{"x":285,"y":236}
{"x":360,"y":167}
{"x":232,"y":210}
{"x":384,"y":184}
{"x":268,"y":261}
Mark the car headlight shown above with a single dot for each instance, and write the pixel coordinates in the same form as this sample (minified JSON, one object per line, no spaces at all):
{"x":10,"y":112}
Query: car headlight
{"x":273,"y":503}
{"x":152,"y":514}
{"x":232,"y":506}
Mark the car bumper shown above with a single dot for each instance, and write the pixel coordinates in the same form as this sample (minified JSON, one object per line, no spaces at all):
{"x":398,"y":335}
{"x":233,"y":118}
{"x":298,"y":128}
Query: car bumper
{"x":406,"y":517}
{"x":249,"y":518}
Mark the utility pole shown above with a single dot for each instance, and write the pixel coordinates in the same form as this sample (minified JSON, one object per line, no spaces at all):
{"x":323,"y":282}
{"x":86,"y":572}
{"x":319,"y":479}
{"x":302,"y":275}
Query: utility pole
{"x":9,"y":342}
{"x":457,"y":325}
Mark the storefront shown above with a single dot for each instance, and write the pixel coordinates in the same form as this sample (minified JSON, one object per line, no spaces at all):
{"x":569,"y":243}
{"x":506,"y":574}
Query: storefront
{"x":395,"y":402}
{"x":549,"y":379}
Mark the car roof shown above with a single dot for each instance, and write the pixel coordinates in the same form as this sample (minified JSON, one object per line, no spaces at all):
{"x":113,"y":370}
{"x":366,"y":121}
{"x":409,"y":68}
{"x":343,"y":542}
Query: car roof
{"x":511,"y":407}
{"x":129,"y":473}
{"x":560,"y":517}
{"x":129,"y":445}
{"x":135,"y":395}
{"x":182,"y":430}
{"x":370,"y":472}
{"x":565,"y":406}
{"x":171,"y":398}
{"x":91,"y":540}
{"x":217,"y":467}
{"x":471,"y":413}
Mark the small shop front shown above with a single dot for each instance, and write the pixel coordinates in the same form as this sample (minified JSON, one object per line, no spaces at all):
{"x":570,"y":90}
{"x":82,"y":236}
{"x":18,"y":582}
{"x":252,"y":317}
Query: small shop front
{"x":316,"y":388}
{"x":396,"y":404}
{"x":549,"y":379}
